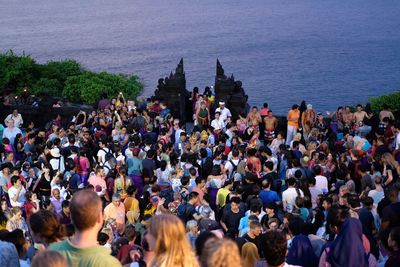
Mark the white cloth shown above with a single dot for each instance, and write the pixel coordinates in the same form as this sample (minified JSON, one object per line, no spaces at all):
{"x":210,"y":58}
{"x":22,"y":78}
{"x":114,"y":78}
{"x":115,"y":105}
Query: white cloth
{"x":218,"y":124}
{"x":11,"y":134}
{"x":18,"y":121}
{"x":289,"y":198}
{"x":102,"y":154}
{"x":12,"y":192}
{"x":321,"y":183}
{"x":225,"y":113}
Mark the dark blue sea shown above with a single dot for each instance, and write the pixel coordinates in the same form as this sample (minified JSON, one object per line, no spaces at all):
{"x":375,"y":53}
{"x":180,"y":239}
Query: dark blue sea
{"x":327,"y":52}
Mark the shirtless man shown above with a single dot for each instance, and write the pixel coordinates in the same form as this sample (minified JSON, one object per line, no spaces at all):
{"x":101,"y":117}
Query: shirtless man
{"x":385,"y":113}
{"x":271,"y":123}
{"x":348,"y":117}
{"x":254,"y":116}
{"x":360,"y":114}
{"x":308,"y":119}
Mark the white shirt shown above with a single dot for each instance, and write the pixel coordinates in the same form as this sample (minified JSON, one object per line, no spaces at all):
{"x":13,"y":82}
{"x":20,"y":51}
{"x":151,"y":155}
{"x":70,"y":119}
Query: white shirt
{"x":225,"y":113}
{"x":102,"y":154}
{"x":217,"y":124}
{"x":289,"y":198}
{"x":58,"y":164}
{"x":12,"y":192}
{"x":18,"y":121}
{"x":321,"y":183}
{"x":229,"y":166}
{"x":397,"y":141}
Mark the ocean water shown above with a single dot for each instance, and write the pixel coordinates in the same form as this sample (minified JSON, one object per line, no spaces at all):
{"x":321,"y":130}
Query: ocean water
{"x":328,"y":53}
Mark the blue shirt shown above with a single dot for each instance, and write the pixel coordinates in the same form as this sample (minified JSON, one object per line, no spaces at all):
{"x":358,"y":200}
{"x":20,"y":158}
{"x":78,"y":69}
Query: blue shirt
{"x":268,"y":196}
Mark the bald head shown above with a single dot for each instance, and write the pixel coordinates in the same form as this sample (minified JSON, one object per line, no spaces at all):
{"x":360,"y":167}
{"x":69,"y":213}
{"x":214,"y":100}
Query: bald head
{"x":86,"y":209}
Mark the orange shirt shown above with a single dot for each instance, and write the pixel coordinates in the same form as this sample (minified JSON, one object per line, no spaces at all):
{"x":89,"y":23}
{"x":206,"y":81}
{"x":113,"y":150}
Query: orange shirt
{"x":117,"y":213}
{"x":293,"y":117}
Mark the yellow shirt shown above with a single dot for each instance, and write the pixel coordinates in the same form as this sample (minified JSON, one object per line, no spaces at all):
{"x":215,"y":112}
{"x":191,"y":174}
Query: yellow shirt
{"x":221,"y":197}
{"x":131,"y":204}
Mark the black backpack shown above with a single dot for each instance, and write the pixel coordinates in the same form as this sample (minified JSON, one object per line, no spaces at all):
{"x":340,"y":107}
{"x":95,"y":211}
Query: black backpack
{"x":108,"y":156}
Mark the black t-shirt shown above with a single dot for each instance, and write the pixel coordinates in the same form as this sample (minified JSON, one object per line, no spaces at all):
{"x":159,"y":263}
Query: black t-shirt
{"x":187,"y":215}
{"x":232,"y":221}
{"x":256,"y":241}
{"x":391,"y":214}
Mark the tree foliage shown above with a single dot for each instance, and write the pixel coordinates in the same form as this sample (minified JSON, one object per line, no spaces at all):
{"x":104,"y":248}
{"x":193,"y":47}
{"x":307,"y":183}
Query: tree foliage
{"x":63,"y":78}
{"x":391,"y":100}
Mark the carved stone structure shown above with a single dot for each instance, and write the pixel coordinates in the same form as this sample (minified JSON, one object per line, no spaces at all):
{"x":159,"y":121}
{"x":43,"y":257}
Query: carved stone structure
{"x":172,"y":90}
{"x":230,"y":91}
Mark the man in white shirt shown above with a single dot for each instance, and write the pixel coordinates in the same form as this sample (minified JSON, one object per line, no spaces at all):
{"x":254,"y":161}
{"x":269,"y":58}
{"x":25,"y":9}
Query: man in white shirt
{"x":321,"y":181}
{"x":217,"y":123}
{"x":16,"y":117}
{"x":16,"y":192}
{"x":225,"y":112}
{"x":230,"y":165}
{"x":290,"y":194}
{"x":101,"y":154}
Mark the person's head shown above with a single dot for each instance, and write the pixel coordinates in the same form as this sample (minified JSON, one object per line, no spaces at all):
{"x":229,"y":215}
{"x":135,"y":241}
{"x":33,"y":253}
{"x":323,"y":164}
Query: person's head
{"x":65,"y":207}
{"x":235,"y":203}
{"x":166,"y":236}
{"x":100,"y":171}
{"x":274,"y":247}
{"x":249,"y":254}
{"x":86,"y":211}
{"x":221,"y":253}
{"x":255,"y":228}
{"x":291,"y":182}
{"x":255,"y":209}
{"x":296,"y":226}
{"x":295,"y":107}
{"x":193,"y":197}
{"x":46,"y":227}
{"x":131,"y":190}
{"x":49,"y":258}
{"x":358,"y":107}
{"x":192,"y":227}
{"x":15,"y":181}
{"x":56,"y":193}
{"x":217,"y":114}
{"x":15,"y":214}
{"x":394,"y":239}
{"x":10,"y":123}
{"x":336,"y":217}
{"x":327,"y":203}
{"x":116,"y":199}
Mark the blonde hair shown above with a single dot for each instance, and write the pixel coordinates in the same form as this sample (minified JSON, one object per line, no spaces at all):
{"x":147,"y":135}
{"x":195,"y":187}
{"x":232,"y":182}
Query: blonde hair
{"x":49,"y":258}
{"x":390,"y":160}
{"x":221,"y":253}
{"x":172,"y":247}
{"x":250,"y":254}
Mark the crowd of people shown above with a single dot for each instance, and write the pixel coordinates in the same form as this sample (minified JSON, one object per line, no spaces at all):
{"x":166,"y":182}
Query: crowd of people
{"x":129,"y":184}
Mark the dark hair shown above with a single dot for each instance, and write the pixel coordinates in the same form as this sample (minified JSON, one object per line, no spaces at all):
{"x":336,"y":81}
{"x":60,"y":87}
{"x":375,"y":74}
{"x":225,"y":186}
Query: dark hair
{"x":274,"y":247}
{"x":193,"y":194}
{"x":337,"y":216}
{"x":14,"y":179}
{"x":201,"y":240}
{"x":316,"y":170}
{"x":235,"y":200}
{"x":269,"y":165}
{"x":163,"y":165}
{"x":46,"y":226}
{"x":296,"y":226}
{"x":131,"y":189}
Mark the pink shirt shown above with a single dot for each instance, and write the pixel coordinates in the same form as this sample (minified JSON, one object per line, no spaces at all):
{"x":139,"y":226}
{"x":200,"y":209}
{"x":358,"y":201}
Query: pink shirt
{"x":97,"y":180}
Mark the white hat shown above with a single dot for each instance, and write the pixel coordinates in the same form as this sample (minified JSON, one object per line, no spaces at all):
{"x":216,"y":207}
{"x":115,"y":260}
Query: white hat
{"x":55,"y":152}
{"x":221,"y":102}
{"x":309,"y":106}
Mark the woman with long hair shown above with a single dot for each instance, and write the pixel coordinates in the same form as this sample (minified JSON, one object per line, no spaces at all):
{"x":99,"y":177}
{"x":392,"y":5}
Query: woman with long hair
{"x":249,"y":254}
{"x":391,"y":169}
{"x":167,"y":238}
{"x":221,"y":253}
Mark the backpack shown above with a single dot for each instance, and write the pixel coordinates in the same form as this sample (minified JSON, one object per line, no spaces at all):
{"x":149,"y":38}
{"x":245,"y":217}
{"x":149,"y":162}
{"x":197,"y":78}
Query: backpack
{"x":234,"y":170}
{"x":108,"y":156}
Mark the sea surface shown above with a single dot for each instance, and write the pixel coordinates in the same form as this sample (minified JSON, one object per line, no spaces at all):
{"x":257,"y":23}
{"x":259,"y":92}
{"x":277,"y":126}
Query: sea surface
{"x":326,"y":52}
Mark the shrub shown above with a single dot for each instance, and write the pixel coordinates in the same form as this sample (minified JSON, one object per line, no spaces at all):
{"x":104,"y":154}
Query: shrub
{"x":391,"y":100}
{"x":63,"y":78}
